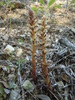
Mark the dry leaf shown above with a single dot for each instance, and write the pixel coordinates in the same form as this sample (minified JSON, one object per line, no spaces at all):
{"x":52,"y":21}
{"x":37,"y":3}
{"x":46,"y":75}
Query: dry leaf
{"x":43,"y":97}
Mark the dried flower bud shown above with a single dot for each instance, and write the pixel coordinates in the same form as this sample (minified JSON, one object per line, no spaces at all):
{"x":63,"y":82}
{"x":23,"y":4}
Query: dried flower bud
{"x":31,"y":15}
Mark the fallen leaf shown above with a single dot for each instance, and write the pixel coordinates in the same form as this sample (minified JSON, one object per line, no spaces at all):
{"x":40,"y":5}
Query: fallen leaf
{"x":43,"y":97}
{"x":5,"y":84}
{"x":65,"y":77}
{"x":28,"y":85}
{"x":2,"y":92}
{"x":13,"y":95}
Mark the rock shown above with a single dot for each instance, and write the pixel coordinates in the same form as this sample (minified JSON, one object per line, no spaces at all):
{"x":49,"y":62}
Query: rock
{"x":5,"y":37}
{"x":27,"y":58}
{"x":19,"y":52}
{"x":13,"y":95}
{"x":28,"y":85}
{"x":9,"y":49}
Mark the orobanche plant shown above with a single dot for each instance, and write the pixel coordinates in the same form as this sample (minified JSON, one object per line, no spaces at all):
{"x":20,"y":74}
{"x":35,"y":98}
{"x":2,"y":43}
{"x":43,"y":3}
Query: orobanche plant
{"x":42,"y":45}
{"x":32,"y":25}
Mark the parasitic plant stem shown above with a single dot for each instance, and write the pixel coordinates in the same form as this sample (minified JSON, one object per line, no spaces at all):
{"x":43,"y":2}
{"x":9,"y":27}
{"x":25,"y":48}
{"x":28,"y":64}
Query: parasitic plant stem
{"x":44,"y":63}
{"x":32,"y":23}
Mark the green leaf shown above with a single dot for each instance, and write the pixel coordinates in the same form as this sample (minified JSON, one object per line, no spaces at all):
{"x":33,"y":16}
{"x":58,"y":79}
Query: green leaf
{"x":41,"y":8}
{"x":57,"y":6}
{"x":73,"y":1}
{"x":8,"y":3}
{"x":12,"y":6}
{"x":41,"y":1}
{"x":1,"y":3}
{"x":35,"y":9}
{"x":4,"y":4}
{"x":51,"y":2}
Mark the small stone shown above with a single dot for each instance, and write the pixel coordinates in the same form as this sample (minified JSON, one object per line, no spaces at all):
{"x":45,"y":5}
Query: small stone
{"x":5,"y":37}
{"x":8,"y":49}
{"x":19,"y":52}
{"x":12,"y":69}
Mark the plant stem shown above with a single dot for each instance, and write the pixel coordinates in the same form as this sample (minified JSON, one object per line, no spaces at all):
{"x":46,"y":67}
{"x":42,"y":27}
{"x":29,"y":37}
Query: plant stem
{"x":44,"y":63}
{"x":32,"y":28}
